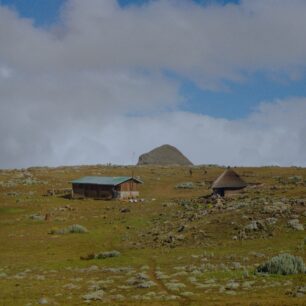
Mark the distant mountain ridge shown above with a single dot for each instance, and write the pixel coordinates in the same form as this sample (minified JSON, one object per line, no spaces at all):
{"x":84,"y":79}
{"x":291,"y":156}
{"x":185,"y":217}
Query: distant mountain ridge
{"x":164,"y":155}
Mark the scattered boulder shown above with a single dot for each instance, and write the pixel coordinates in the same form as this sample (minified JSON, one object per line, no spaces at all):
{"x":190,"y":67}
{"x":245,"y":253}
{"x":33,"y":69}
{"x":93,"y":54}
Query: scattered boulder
{"x":277,"y":207}
{"x":251,"y":226}
{"x":141,"y":281}
{"x":298,"y":291}
{"x":295,"y":224}
{"x":37,"y":217}
{"x":255,"y":225}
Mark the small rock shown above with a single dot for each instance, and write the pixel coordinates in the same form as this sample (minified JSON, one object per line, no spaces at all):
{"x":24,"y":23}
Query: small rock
{"x":251,"y":226}
{"x":247,"y":284}
{"x":187,"y":294}
{"x":125,"y":210}
{"x":232,"y":285}
{"x":300,"y":291}
{"x":230,"y":292}
{"x":175,"y":286}
{"x":145,"y":284}
{"x":40,"y":277}
{"x":236,"y":265}
{"x":92,"y":268}
{"x":181,"y":228}
{"x":94,"y":296}
{"x":37,"y":217}
{"x":271,"y":221}
{"x":71,"y":286}
{"x":118,"y":297}
{"x":43,"y":301}
{"x":257,"y":254}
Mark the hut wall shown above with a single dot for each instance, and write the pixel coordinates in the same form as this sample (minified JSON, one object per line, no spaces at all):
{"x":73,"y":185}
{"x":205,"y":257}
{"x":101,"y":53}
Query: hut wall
{"x":92,"y":191}
{"x":128,"y":186}
{"x":128,"y":194}
{"x":219,"y":191}
{"x":227,"y":192}
{"x":128,"y":190}
{"x":232,"y":192}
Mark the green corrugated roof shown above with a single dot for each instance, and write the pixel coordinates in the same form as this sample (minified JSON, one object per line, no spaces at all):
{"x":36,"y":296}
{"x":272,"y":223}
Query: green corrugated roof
{"x":104,"y":180}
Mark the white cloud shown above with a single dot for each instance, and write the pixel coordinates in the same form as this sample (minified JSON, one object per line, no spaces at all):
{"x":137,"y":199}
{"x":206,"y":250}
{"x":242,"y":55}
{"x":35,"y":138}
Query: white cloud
{"x":273,"y":135}
{"x":208,"y":44}
{"x":65,"y":92}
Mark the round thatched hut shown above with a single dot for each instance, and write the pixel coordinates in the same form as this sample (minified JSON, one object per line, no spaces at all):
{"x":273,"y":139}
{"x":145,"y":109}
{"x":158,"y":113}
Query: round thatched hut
{"x":228,"y":182}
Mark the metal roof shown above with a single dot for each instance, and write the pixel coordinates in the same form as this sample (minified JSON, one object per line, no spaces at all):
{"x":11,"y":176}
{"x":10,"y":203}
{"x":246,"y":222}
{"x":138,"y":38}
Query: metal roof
{"x":104,"y":180}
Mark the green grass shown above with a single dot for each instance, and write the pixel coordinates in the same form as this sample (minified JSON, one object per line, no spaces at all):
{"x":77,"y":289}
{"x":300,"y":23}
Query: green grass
{"x":10,"y":210}
{"x":26,"y":244}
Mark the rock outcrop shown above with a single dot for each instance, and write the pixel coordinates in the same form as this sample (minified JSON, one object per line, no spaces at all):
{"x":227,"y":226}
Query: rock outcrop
{"x":164,"y":155}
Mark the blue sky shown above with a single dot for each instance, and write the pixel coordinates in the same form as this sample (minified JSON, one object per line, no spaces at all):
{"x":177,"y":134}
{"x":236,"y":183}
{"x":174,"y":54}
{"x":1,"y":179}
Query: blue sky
{"x":45,"y":12}
{"x":42,"y":12}
{"x":236,"y":102}
{"x":233,"y":104}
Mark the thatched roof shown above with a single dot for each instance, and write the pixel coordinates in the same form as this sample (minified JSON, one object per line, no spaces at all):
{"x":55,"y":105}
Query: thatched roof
{"x":229,"y":179}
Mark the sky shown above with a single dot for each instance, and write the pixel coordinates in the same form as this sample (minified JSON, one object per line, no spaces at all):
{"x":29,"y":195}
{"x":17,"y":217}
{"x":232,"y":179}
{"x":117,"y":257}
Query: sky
{"x":93,"y":82}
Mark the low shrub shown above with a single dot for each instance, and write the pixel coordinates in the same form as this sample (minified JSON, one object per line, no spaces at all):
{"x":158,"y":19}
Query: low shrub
{"x":72,"y":229}
{"x":102,"y":255}
{"x":109,"y":254}
{"x":295,"y":179}
{"x":186,"y":185}
{"x":283,"y":264}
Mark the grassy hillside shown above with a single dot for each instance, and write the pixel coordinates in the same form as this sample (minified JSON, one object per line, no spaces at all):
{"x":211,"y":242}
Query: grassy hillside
{"x":176,"y":248}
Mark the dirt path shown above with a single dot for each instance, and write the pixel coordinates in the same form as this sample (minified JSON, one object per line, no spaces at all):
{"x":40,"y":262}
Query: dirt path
{"x":185,"y":301}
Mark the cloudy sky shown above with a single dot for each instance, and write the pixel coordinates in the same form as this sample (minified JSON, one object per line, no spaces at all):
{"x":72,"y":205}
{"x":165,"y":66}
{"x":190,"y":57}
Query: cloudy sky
{"x":97,"y":81}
